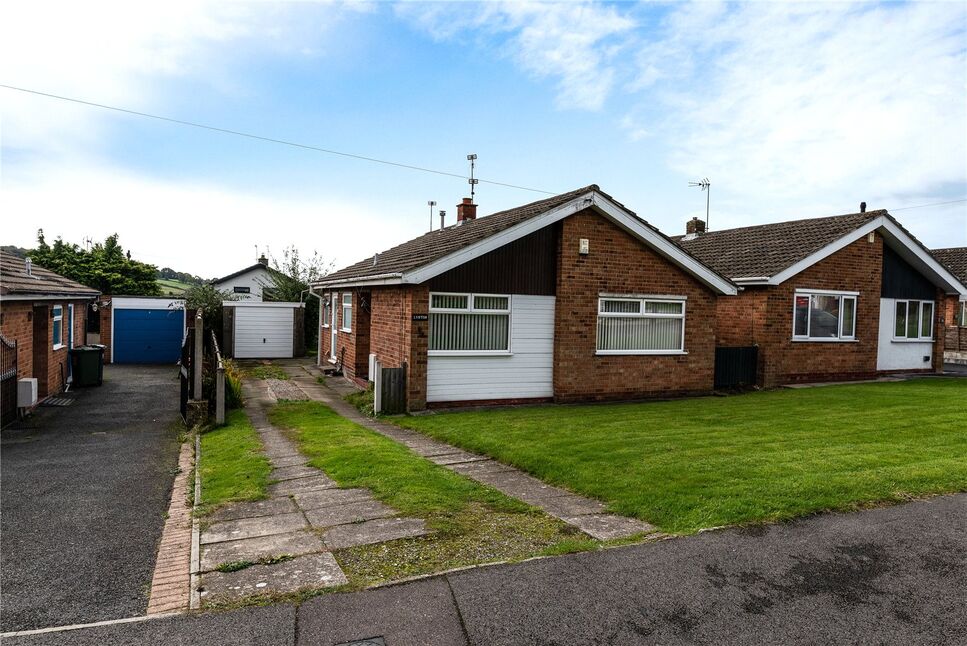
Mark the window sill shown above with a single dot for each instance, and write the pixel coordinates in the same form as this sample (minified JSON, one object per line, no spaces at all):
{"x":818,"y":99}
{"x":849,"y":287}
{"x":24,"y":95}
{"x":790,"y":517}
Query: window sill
{"x":325,"y":326}
{"x":469,"y":353}
{"x":654,"y":353}
{"x":911,"y":340}
{"x":346,"y":330}
{"x":825,"y":340}
{"x":59,"y":346}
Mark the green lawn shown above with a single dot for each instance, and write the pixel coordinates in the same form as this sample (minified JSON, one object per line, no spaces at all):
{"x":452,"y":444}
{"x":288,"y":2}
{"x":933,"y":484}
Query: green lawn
{"x":693,"y":463}
{"x":233,"y":467}
{"x":471,"y":523}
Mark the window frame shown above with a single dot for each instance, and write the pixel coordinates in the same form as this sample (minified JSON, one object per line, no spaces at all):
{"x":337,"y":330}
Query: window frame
{"x":57,"y":318}
{"x":472,"y":309}
{"x":906,"y":338}
{"x":840,"y":337}
{"x":342,"y":313}
{"x":326,"y":309}
{"x":642,"y":313}
{"x":961,"y":317}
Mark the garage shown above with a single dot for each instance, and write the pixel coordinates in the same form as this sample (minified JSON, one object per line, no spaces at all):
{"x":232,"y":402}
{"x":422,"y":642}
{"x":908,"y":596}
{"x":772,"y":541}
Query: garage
{"x":146,"y":330}
{"x":263,"y":330}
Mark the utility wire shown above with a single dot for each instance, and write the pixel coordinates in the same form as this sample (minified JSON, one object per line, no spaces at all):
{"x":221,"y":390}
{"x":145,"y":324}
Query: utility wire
{"x":920,"y":206}
{"x":283,"y":142}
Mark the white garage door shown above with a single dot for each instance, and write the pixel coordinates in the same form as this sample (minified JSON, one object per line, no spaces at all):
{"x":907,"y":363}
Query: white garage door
{"x":263,"y":332}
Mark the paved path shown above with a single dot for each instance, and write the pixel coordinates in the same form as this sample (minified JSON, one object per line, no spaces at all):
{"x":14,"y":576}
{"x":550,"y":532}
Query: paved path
{"x":84,"y":491}
{"x":887,"y":576}
{"x":286,"y":539}
{"x":583,"y":513}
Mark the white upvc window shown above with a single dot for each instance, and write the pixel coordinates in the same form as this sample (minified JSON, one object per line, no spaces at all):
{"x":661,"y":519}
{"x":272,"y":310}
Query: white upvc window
{"x":347,"y":312}
{"x":913,"y":320}
{"x":463,"y":324}
{"x":641,"y":325}
{"x":57,"y":332}
{"x":822,"y":315}
{"x":326,"y":309}
{"x":962,"y":315}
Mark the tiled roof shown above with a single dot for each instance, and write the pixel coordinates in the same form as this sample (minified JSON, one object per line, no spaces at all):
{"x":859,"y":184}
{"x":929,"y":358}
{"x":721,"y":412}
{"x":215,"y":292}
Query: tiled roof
{"x":767,"y":249}
{"x":442,"y":242}
{"x":955,"y":259}
{"x":14,"y":280}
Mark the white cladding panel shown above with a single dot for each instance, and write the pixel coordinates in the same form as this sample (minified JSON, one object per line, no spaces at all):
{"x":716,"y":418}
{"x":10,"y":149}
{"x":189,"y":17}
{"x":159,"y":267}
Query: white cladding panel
{"x":263,"y":332}
{"x":527,"y":372}
{"x":254,"y":280}
{"x":899,"y":355}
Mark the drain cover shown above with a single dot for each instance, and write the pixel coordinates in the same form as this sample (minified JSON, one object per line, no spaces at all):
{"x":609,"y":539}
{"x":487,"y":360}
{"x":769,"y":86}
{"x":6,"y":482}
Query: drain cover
{"x":57,"y":401}
{"x":370,"y":641}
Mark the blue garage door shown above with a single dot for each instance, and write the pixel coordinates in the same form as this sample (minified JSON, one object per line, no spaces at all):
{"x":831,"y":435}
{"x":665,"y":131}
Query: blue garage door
{"x":148,"y":336}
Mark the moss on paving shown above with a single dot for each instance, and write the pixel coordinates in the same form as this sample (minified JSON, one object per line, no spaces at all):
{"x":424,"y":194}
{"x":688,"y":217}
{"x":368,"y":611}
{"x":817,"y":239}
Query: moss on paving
{"x":471,"y":523}
{"x":693,"y":463}
{"x":233,"y":467}
{"x":270,"y":371}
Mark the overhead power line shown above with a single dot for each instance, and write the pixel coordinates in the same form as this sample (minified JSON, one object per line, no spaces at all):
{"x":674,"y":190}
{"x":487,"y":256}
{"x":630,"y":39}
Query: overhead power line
{"x":283,"y":142}
{"x":920,"y":206}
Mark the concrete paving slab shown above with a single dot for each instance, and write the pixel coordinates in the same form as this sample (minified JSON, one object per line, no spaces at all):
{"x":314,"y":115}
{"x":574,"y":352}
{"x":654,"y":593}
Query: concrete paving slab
{"x":429,"y":449}
{"x":518,"y":485}
{"x":606,"y":527}
{"x":456,"y":458}
{"x":238,"y":510}
{"x":374,"y":531}
{"x":302,"y":485}
{"x":311,"y":571}
{"x":422,"y":613}
{"x":293,"y":472}
{"x":328,"y":497}
{"x":233,"y":530}
{"x":470,"y":469}
{"x":353,"y":512}
{"x":571,"y":505}
{"x":261,"y":547}
{"x":289,"y":461}
{"x":281,"y":452}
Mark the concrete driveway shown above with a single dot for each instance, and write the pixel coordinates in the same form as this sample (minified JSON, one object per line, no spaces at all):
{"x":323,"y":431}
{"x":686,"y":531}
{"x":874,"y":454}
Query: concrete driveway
{"x":84,"y":489}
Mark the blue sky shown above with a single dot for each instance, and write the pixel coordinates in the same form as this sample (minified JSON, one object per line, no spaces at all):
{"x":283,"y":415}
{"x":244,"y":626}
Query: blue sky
{"x":791,"y":110}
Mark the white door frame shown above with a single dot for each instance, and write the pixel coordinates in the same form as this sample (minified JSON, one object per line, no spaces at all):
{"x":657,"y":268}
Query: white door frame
{"x":333,"y":332}
{"x":70,"y":342}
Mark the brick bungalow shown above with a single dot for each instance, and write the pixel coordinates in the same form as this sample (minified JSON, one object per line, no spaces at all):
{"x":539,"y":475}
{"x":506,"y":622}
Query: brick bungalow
{"x":955,"y":306}
{"x":566,"y":299}
{"x":45,"y":314}
{"x":827,"y":299}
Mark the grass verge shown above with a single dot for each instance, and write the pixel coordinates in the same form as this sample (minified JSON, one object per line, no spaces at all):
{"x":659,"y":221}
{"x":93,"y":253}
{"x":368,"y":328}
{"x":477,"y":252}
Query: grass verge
{"x":688,"y":464}
{"x":471,"y":523}
{"x":233,"y":467}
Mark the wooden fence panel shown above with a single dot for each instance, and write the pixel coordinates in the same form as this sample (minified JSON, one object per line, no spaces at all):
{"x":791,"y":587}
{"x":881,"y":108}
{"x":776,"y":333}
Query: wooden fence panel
{"x":392,"y":390}
{"x":735,"y":367}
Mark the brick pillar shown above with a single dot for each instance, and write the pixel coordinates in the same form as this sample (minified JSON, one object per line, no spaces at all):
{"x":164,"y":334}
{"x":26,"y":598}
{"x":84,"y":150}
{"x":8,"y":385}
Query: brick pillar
{"x":939,"y":330}
{"x":417,"y":337}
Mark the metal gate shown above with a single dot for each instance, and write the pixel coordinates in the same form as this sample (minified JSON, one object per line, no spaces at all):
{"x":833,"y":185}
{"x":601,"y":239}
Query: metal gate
{"x":8,"y":380}
{"x":187,"y":364}
{"x":736,"y":367}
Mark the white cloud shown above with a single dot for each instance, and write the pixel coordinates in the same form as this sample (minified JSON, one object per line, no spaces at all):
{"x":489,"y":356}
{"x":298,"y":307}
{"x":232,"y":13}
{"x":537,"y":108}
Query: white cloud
{"x":575,"y":43}
{"x":199,"y":228}
{"x":814,"y":101}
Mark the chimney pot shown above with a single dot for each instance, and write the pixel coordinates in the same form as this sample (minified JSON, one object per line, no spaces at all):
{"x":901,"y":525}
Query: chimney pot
{"x":466,"y":210}
{"x":695,"y":227}
{"x":862,"y":207}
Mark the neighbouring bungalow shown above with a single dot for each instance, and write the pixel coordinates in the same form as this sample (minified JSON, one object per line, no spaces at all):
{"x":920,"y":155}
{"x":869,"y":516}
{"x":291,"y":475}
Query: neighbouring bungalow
{"x":955,"y":306}
{"x":44,"y":314}
{"x":827,"y":299}
{"x":566,"y":299}
{"x":248,"y":284}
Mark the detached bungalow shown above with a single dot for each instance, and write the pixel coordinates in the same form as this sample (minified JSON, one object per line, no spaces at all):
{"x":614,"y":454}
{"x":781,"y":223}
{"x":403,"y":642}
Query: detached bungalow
{"x":250,"y":283}
{"x":44,"y":313}
{"x":955,"y":306}
{"x":826,"y":299}
{"x":569,"y":298}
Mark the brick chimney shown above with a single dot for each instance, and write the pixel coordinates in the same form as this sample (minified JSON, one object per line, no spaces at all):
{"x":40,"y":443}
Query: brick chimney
{"x":466,"y":210}
{"x":695,"y":227}
{"x":263,"y":260}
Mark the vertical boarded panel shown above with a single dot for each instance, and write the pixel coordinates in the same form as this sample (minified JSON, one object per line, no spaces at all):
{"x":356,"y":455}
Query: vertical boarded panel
{"x":228,"y":332}
{"x":736,"y":366}
{"x":299,"y":332}
{"x":393,"y":390}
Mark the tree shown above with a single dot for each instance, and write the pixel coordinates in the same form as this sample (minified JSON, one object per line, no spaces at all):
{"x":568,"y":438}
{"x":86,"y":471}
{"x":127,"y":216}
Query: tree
{"x":105,"y":267}
{"x":291,"y":279}
{"x":210,"y":299}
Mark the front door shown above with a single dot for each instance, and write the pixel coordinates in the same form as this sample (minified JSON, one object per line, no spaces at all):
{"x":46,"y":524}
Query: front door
{"x":332,"y":326}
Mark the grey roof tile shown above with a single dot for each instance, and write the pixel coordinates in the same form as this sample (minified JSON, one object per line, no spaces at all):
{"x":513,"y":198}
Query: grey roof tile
{"x":955,"y":259}
{"x":15,"y":281}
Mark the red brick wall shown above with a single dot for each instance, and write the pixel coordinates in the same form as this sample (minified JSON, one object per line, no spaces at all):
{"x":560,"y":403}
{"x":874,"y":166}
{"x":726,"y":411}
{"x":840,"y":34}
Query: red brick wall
{"x":16,"y":326}
{"x":619,"y":263}
{"x":352,"y":348}
{"x":106,"y":336}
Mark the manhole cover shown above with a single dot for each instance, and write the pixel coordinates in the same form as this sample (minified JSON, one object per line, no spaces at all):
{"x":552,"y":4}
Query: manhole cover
{"x":57,"y":401}
{"x":371,"y":641}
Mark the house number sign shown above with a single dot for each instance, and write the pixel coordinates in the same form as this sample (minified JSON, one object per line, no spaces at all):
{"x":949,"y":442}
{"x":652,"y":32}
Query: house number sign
{"x":421,"y":317}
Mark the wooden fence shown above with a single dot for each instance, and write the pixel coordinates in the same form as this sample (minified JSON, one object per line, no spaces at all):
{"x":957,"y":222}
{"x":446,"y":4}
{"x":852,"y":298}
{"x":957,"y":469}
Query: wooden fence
{"x":955,"y":339}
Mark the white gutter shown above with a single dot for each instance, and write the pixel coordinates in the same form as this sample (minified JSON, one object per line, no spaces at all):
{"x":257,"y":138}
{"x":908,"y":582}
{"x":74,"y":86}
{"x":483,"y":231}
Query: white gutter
{"x":47,"y":297}
{"x":377,"y":279}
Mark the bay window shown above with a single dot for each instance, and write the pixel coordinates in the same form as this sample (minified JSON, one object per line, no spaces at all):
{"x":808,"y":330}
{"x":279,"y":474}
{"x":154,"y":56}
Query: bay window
{"x":913,"y":320}
{"x":469,"y":324}
{"x":641,"y":325}
{"x":821,"y":315}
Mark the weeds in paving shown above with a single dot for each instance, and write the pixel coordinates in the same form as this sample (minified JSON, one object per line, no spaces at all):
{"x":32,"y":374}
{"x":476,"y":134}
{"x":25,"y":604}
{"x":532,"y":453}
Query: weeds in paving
{"x":235,"y":566}
{"x":471,"y":523}
{"x":233,"y":467}
{"x":363,"y":400}
{"x":267,"y":372}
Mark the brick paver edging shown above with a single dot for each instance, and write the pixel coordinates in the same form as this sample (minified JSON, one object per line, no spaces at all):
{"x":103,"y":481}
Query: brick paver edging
{"x":170,"y":584}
